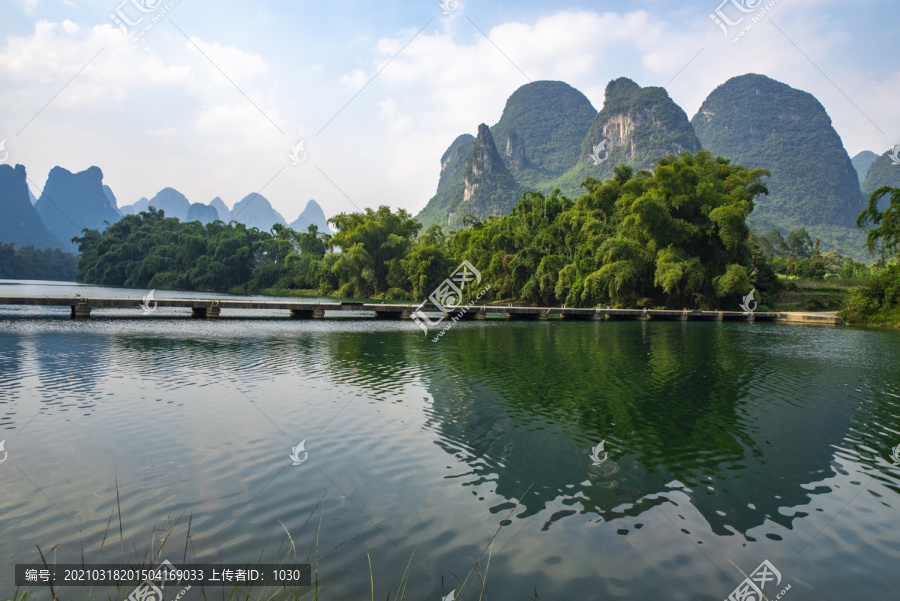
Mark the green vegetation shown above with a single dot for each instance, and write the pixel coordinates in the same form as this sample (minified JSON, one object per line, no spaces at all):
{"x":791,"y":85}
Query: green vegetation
{"x":877,"y":300}
{"x":150,"y":250}
{"x":799,"y":256}
{"x":676,"y":237}
{"x":30,"y":263}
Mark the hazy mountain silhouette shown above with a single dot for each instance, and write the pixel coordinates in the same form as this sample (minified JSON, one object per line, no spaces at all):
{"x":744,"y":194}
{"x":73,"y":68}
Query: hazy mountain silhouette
{"x":21,"y":223}
{"x":71,"y":202}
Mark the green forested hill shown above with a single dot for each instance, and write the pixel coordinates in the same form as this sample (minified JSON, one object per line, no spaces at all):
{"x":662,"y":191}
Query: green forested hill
{"x":883,"y":172}
{"x":541,"y":129}
{"x":759,"y":122}
{"x":536,"y":140}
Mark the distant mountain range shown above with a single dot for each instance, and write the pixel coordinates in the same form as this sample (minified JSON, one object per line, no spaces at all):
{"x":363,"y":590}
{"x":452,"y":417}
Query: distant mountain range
{"x":550,"y":136}
{"x":254,"y":210}
{"x":71,"y":202}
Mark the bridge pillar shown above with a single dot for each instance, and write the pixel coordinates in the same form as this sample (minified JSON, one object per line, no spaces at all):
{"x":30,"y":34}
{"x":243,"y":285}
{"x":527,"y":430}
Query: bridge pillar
{"x":209,"y":312}
{"x":81,"y":310}
{"x":314,"y":313}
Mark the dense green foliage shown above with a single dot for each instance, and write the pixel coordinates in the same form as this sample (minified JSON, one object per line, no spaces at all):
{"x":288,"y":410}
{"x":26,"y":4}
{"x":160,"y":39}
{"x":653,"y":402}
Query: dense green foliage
{"x":877,"y":301}
{"x":149,"y":250}
{"x":885,"y":236}
{"x":676,"y":237}
{"x":30,"y":263}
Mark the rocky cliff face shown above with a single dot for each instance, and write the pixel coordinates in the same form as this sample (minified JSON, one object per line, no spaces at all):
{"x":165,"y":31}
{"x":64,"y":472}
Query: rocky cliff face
{"x":642,"y":125}
{"x":71,"y":202}
{"x":488,"y":186}
{"x":539,"y":133}
{"x":637,"y":126}
{"x":515,"y":152}
{"x":450,"y":184}
{"x":484,"y":164}
{"x":20,"y":223}
{"x":107,"y":191}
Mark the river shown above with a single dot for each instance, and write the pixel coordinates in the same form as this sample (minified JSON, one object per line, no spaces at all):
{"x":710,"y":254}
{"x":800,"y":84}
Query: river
{"x":457,"y":465}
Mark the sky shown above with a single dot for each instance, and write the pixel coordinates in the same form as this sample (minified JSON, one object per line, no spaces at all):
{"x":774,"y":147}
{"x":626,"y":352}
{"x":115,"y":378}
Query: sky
{"x":353,"y":103}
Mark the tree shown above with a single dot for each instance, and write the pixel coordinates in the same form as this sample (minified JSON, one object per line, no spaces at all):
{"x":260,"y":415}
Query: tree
{"x":800,"y":244}
{"x":372,"y":245}
{"x":885,"y":236}
{"x":776,"y":241}
{"x":663,"y":237}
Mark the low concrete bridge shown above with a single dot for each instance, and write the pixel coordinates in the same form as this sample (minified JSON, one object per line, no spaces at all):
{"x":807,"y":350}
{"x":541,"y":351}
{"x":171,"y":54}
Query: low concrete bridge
{"x":212,"y":308}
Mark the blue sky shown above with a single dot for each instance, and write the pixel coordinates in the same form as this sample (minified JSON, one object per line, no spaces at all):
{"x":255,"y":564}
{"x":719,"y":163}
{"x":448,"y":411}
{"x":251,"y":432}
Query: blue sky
{"x":212,"y":98}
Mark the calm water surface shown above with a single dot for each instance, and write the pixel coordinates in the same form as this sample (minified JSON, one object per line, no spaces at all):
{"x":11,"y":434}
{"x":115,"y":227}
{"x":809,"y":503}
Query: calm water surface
{"x":728,"y":444}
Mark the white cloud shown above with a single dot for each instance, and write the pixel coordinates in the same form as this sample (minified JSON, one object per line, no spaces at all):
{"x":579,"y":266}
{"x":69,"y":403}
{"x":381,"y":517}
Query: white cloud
{"x":161,"y":114}
{"x":164,"y":133}
{"x":43,"y":63}
{"x":355,"y":80}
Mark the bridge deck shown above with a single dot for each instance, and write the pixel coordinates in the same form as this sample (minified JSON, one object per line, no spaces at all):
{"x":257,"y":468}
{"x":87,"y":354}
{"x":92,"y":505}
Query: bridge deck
{"x":81,"y":307}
